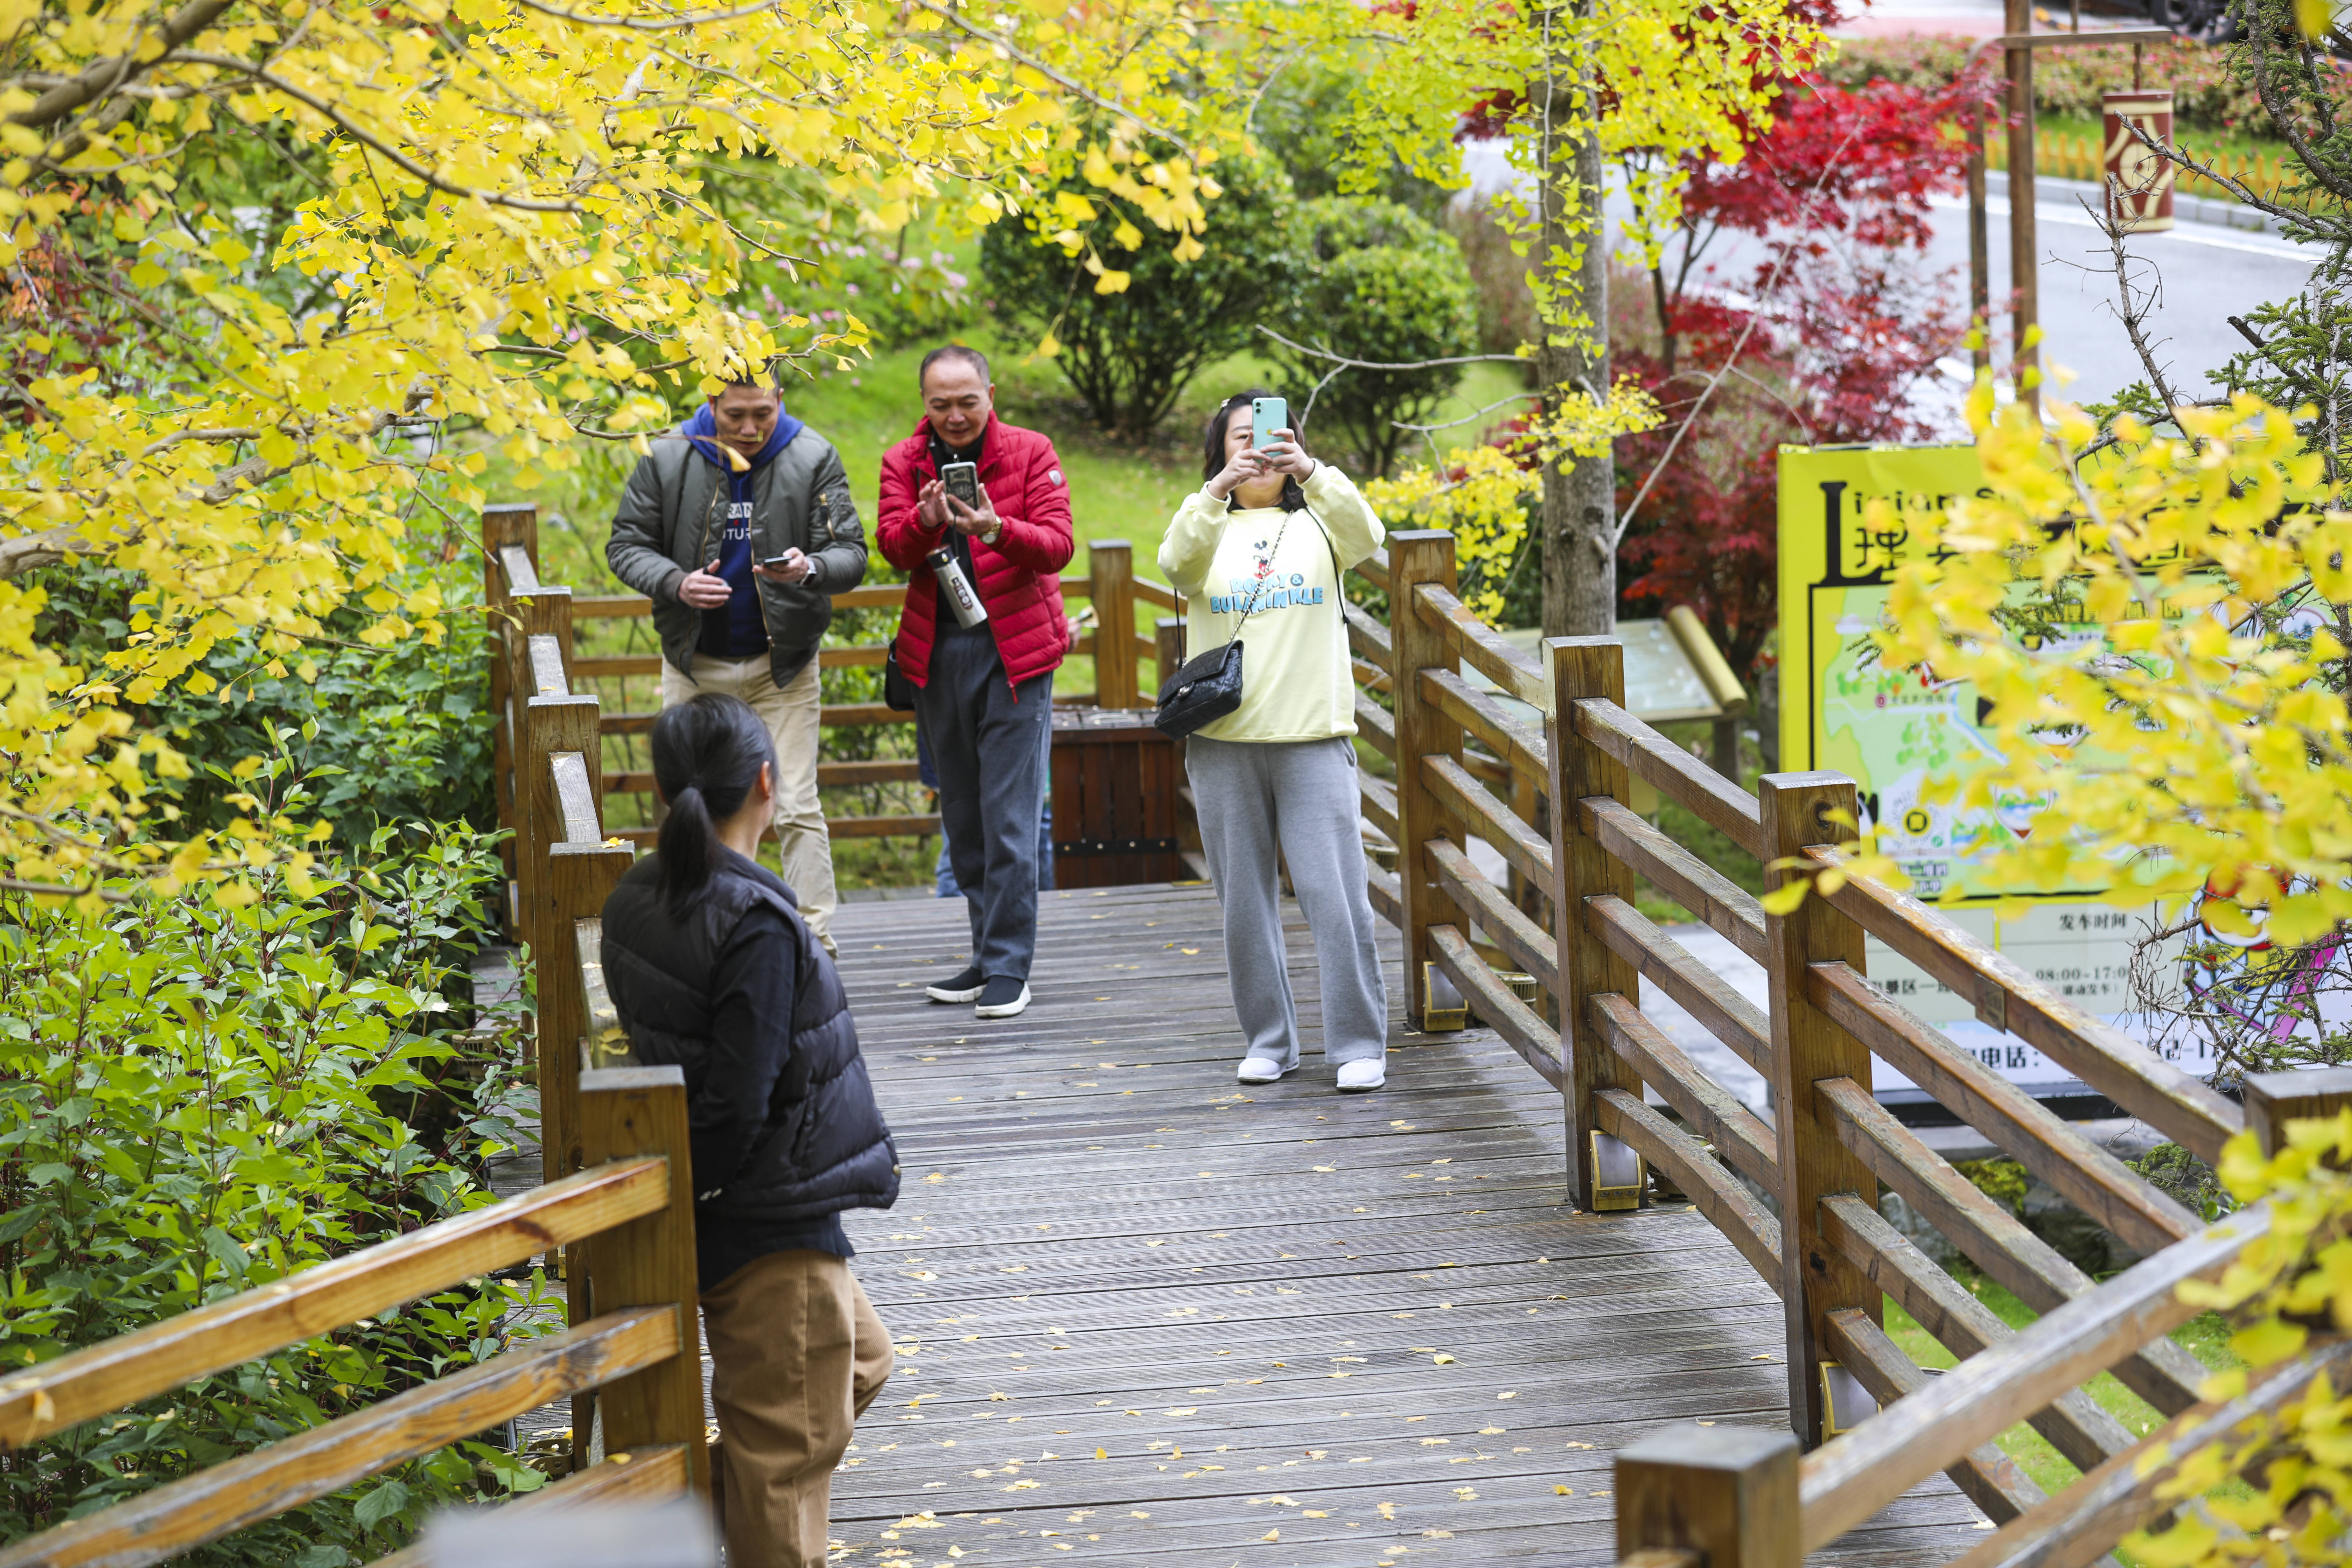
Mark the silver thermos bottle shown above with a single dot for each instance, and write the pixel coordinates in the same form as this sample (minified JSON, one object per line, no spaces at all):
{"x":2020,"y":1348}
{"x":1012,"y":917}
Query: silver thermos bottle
{"x":956,"y":588}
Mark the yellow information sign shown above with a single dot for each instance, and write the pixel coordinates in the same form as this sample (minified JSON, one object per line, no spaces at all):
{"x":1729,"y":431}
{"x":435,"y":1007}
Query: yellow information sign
{"x":1895,"y":732}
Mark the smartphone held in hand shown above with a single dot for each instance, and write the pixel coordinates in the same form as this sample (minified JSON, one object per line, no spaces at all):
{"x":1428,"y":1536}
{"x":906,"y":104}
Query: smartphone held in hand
{"x":1267,"y":415}
{"x":963,"y":481}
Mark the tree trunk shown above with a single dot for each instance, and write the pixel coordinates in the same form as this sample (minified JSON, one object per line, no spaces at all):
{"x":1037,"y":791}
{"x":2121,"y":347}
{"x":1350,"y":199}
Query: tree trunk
{"x":1579,"y":494}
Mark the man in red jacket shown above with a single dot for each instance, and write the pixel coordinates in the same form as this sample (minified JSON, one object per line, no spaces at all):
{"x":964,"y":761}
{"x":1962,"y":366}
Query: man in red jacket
{"x":984,"y":693}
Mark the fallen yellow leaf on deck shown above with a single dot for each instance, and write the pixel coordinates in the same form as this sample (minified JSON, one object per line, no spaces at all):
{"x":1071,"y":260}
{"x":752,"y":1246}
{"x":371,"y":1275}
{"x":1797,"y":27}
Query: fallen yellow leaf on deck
{"x":1562,"y":1491}
{"x":1183,"y":1410}
{"x":1508,"y":1393}
{"x":1024,"y":1485}
{"x":1271,"y":1535}
{"x":1467,"y":1494}
{"x":1442,"y":1361}
{"x":1102,"y":1453}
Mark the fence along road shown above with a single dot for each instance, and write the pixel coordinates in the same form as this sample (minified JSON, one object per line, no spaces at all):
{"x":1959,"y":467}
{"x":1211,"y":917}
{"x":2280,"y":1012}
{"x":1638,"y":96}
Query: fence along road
{"x":1375,"y":1325}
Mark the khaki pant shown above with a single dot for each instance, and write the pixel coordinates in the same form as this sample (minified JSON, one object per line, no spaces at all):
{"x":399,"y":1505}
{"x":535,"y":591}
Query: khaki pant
{"x":792,"y":714}
{"x":797,"y":1353}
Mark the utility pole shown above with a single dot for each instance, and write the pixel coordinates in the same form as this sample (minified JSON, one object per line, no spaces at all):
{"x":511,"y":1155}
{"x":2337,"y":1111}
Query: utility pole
{"x":1580,"y":493}
{"x":2024,"y":266}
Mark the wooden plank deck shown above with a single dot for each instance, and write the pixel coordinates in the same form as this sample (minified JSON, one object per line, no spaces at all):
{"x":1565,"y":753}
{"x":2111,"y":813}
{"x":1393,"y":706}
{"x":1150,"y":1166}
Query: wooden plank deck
{"x":1145,"y":1314}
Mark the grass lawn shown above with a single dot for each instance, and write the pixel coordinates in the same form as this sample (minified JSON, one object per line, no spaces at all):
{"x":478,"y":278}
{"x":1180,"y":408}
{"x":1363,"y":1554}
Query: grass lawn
{"x":2201,"y":144}
{"x":2206,"y":1336}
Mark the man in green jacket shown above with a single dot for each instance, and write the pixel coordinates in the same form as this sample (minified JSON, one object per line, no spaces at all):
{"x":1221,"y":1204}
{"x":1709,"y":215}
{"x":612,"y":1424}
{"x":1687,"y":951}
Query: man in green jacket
{"x":740,"y":529}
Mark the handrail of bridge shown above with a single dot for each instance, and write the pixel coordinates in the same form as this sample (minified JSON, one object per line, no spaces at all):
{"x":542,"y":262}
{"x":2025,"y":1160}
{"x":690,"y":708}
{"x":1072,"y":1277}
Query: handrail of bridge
{"x":521,"y":606}
{"x":614,"y":1213}
{"x":638,"y":1354}
{"x":1796,"y":1195}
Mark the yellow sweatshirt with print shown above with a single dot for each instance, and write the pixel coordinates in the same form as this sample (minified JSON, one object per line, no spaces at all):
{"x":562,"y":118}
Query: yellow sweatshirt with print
{"x":1296,"y":678}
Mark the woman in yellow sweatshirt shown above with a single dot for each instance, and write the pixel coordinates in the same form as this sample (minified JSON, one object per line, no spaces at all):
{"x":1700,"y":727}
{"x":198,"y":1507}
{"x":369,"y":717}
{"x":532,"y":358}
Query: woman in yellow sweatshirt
{"x":1258,"y":552}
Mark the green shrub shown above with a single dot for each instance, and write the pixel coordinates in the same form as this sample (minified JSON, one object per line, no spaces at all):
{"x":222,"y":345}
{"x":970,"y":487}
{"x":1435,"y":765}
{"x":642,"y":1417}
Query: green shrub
{"x":1384,"y":285}
{"x":1307,"y":121}
{"x":905,"y":293}
{"x":389,"y":734}
{"x":1130,"y":355}
{"x":196,"y":1099}
{"x":1498,"y":272}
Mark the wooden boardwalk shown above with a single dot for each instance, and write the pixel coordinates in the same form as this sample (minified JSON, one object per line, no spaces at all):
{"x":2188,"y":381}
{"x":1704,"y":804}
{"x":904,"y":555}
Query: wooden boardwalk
{"x":1145,"y":1314}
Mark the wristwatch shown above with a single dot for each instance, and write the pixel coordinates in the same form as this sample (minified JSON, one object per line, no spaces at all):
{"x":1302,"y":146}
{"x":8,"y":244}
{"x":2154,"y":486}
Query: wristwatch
{"x":993,"y":535}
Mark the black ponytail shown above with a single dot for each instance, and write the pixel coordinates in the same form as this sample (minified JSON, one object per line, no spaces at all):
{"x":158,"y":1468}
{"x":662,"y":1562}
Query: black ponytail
{"x":706,"y":756}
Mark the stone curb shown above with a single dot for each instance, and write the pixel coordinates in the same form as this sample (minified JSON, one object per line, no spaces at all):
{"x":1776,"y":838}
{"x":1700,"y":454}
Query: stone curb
{"x":2185,"y":209}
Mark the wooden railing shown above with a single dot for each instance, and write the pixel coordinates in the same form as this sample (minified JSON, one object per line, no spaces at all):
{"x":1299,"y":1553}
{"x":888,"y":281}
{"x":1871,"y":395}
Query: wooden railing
{"x":639,"y":1348}
{"x":523,"y":609}
{"x":1467,"y":770}
{"x":614,"y":1213}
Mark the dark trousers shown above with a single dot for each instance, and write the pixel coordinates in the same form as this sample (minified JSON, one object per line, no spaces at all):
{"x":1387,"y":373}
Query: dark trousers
{"x":988,"y":743}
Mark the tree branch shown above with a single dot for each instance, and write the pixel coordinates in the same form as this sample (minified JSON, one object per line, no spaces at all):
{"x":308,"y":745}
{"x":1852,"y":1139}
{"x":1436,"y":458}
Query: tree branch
{"x":361,"y":134}
{"x":1344,"y":363}
{"x":647,"y":24}
{"x":1108,"y":106}
{"x":101,"y":77}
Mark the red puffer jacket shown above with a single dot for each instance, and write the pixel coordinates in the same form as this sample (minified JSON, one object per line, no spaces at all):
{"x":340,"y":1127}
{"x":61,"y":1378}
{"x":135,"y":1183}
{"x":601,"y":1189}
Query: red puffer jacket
{"x":1019,"y":575}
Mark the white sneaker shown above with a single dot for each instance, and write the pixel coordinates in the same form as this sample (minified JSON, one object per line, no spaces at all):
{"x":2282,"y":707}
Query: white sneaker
{"x":1357,"y":1078}
{"x":1262,"y":1069}
{"x":1001,"y":997}
{"x":964,"y":987}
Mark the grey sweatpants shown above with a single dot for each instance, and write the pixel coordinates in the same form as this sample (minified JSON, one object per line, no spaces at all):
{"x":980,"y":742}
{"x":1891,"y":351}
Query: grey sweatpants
{"x":988,"y":744}
{"x":1300,"y":796}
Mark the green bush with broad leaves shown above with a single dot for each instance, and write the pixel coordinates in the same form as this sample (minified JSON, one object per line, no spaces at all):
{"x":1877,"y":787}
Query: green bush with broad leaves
{"x":198,"y":1098}
{"x":1387,"y":285}
{"x":1133,"y":324}
{"x":394,"y":733}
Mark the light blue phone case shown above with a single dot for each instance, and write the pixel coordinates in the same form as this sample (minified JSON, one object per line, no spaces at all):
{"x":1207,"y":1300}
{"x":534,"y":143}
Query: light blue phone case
{"x":1267,"y":415}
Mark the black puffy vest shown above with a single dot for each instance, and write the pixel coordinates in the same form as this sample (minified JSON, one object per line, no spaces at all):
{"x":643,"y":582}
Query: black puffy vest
{"x":824,"y":1146}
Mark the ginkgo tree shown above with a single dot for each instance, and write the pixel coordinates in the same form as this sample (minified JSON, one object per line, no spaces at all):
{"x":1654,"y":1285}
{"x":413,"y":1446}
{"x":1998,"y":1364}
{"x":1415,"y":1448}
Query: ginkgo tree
{"x":1647,"y":88}
{"x":510,"y":229}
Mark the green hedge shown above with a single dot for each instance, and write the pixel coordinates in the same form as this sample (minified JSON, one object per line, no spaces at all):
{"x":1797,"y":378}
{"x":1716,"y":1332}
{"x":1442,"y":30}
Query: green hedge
{"x":196,"y":1099}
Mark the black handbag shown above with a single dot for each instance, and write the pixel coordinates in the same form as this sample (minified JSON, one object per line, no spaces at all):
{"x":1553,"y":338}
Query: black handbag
{"x":1205,"y":689}
{"x":897,"y":691}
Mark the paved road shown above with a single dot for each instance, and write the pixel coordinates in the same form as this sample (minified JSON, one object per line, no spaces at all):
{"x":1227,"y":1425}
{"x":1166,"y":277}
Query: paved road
{"x":2208,"y":273}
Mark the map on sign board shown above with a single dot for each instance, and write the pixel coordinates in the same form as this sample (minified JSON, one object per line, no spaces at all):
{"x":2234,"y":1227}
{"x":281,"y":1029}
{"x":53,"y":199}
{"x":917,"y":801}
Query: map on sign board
{"x":1896,"y":732}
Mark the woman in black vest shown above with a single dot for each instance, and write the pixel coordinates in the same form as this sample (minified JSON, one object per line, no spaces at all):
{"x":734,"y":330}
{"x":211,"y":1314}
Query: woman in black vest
{"x":712,"y":969}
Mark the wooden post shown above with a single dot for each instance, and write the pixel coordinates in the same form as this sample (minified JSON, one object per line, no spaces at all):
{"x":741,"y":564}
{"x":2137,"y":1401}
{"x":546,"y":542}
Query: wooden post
{"x":502,"y":526}
{"x":1110,"y":563}
{"x":1169,"y":642}
{"x":1418,"y":556}
{"x":1816,"y":1279}
{"x":1585,"y":667}
{"x":549,"y":724}
{"x":2275,"y":1098}
{"x":1726,"y":1492}
{"x":581,"y":875}
{"x":542,"y":612}
{"x":2024,"y":271}
{"x":626,"y":1112}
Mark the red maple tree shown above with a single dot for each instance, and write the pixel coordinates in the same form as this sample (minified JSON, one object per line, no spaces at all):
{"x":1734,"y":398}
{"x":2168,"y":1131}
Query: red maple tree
{"x":1825,"y":338}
